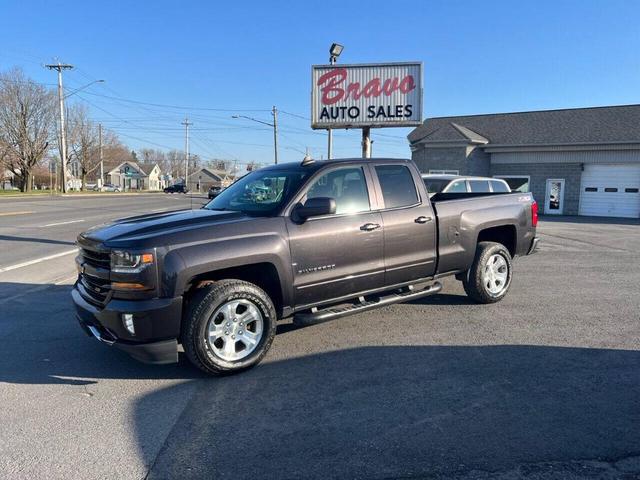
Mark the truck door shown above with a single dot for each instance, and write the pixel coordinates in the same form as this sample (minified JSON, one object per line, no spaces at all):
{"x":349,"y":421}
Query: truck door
{"x":340,"y":254}
{"x":409,"y":225}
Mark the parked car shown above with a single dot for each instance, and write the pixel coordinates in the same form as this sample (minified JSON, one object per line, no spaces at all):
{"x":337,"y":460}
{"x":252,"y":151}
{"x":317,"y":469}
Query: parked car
{"x":330,"y":239}
{"x":177,"y":188}
{"x":214,"y":191}
{"x":463,"y":184}
{"x":107,"y":187}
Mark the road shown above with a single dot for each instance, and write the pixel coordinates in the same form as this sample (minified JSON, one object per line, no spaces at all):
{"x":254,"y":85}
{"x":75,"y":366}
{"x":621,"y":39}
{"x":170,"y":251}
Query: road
{"x":545,"y":384}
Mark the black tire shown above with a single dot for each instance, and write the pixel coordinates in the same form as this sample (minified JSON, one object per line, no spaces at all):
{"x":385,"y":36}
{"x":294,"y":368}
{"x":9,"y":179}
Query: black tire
{"x":204,"y":304}
{"x":474,"y":285}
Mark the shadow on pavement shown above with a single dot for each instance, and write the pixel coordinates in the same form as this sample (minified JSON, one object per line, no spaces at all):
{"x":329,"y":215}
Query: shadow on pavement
{"x":13,"y":238}
{"x":366,"y":412}
{"x":407,"y":412}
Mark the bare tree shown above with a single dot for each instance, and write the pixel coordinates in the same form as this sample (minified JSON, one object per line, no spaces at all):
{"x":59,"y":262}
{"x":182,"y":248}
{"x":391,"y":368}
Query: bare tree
{"x":26,"y":121}
{"x":83,"y":142}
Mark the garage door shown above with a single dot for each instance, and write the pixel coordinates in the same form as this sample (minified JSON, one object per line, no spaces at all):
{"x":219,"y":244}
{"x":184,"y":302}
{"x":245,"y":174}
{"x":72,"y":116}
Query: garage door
{"x":610,"y":190}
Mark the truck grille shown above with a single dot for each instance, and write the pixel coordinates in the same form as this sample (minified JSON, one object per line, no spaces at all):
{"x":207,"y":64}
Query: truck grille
{"x":95,"y":290}
{"x":96,"y":259}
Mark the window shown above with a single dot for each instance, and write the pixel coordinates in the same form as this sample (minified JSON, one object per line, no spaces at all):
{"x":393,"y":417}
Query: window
{"x":591,"y":189}
{"x":479,"y":186}
{"x":347,"y":186}
{"x":630,"y":190}
{"x":499,"y":187}
{"x":610,"y":190}
{"x":435,"y":185}
{"x":458,"y":187}
{"x":398,"y":188}
{"x":516,"y":183}
{"x":260,"y":193}
{"x":444,"y":172}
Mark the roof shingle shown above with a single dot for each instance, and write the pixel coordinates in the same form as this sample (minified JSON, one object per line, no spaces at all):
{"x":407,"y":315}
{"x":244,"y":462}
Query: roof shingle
{"x":545,"y":127}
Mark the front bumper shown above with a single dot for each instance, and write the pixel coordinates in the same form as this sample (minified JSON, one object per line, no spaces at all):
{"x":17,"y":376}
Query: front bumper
{"x":157,"y":325}
{"x":534,"y":245}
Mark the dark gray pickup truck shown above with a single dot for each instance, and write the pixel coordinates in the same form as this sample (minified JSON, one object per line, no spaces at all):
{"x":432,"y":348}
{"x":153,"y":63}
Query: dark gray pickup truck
{"x":315,"y":241}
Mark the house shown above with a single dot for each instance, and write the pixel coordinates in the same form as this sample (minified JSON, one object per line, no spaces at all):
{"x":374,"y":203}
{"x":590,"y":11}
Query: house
{"x":580,"y":161}
{"x":201,"y":180}
{"x":131,"y":175}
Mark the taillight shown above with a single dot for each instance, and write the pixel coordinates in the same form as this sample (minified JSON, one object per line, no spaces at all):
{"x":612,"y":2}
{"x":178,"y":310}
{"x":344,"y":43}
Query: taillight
{"x":534,"y":214}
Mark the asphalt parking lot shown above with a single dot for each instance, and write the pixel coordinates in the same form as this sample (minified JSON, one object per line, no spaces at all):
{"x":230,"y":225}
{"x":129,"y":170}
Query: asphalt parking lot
{"x":545,"y":384}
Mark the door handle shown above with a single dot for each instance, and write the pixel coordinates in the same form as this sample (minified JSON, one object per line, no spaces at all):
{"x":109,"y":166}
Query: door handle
{"x":422,"y":219}
{"x":368,"y":227}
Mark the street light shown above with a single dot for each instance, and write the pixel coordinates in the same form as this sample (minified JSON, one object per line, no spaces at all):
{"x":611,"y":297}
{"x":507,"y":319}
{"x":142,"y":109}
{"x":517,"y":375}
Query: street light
{"x":334,"y":51}
{"x":274,"y":112}
{"x":82,"y":88}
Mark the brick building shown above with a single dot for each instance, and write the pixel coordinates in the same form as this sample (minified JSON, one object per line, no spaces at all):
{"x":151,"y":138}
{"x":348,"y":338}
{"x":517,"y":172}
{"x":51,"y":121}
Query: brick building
{"x":583,"y":161}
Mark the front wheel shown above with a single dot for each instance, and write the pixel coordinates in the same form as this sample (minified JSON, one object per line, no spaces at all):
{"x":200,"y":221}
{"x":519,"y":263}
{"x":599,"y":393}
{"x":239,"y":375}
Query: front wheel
{"x":229,"y":327}
{"x":489,"y":278}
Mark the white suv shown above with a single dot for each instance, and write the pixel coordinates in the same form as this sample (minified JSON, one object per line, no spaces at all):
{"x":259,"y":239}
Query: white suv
{"x":463,"y":184}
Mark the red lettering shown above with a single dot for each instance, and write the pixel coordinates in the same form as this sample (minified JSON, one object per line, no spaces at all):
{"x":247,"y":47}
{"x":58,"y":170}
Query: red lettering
{"x":372,"y":88}
{"x":353,"y":89}
{"x":333,"y":91}
{"x":407,"y":84}
{"x":390,"y":85}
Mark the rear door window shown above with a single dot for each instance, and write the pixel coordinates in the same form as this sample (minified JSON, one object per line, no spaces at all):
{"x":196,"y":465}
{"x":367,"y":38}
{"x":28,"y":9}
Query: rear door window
{"x":498,"y":186}
{"x":479,"y":186}
{"x":457,"y":187}
{"x":398,"y":187}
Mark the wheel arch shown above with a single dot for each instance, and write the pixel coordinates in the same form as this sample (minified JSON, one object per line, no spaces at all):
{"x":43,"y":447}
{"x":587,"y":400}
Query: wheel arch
{"x":262,"y":274}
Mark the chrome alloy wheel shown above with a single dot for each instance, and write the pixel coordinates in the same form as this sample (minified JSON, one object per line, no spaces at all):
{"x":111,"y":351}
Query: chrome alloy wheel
{"x":495,"y":274}
{"x":235,"y":329}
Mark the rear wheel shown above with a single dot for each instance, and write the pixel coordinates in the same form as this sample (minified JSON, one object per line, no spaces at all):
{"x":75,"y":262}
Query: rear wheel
{"x":489,"y":278}
{"x":229,"y":327}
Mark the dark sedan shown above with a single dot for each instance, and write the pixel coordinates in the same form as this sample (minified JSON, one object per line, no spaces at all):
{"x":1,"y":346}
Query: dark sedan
{"x":214,"y":191}
{"x":177,"y":188}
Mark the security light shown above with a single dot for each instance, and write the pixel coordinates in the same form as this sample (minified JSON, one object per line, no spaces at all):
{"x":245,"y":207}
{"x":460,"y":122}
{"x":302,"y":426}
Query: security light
{"x":335,"y":50}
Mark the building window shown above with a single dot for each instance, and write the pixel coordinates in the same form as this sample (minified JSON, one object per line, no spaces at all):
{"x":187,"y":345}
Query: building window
{"x":517,"y":183}
{"x":591,"y":189}
{"x":444,"y":172}
{"x":610,"y":190}
{"x":630,"y":190}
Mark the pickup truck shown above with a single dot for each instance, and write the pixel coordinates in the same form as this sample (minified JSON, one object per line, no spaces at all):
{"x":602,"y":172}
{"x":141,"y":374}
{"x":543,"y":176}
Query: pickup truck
{"x":321,"y":240}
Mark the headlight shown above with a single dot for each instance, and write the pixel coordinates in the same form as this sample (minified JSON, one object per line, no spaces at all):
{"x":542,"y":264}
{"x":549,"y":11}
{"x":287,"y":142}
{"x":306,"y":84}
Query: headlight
{"x":127,"y":262}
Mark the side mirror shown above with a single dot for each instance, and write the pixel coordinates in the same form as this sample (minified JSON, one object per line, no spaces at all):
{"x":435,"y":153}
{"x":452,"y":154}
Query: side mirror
{"x":315,"y":207}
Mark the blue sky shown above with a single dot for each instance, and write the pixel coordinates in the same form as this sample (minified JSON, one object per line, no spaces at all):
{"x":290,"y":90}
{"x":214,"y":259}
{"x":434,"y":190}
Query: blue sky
{"x":479,"y":57}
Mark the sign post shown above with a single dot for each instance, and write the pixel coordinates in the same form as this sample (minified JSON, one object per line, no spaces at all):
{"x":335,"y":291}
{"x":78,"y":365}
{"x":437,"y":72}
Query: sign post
{"x":366,"y":96}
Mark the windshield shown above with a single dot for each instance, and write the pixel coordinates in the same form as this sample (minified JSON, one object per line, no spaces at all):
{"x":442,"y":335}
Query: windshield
{"x":435,"y":185}
{"x":260,"y":193}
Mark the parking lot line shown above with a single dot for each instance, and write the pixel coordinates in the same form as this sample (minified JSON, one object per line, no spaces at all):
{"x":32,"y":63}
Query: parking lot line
{"x":63,"y":223}
{"x":37,"y":260}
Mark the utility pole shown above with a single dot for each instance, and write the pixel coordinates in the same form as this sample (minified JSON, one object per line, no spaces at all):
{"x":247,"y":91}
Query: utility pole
{"x":275,"y":134}
{"x":101,"y":159}
{"x":63,"y":129}
{"x":332,"y":61}
{"x":186,"y":124}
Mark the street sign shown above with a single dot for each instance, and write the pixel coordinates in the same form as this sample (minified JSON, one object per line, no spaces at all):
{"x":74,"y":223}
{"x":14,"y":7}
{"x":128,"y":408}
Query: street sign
{"x":366,"y":95}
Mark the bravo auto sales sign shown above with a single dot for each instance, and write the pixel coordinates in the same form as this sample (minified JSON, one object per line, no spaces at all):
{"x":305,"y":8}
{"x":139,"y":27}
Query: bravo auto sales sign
{"x":366,"y":95}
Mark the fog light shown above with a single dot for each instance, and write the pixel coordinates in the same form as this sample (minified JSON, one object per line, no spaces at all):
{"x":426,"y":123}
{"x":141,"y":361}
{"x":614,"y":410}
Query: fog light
{"x":127,"y":319}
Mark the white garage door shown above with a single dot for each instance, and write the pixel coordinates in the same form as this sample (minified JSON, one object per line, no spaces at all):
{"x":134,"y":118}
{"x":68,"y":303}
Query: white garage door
{"x":610,"y":190}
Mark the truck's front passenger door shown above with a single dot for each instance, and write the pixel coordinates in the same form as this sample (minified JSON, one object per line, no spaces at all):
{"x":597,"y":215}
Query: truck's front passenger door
{"x":340,"y":254}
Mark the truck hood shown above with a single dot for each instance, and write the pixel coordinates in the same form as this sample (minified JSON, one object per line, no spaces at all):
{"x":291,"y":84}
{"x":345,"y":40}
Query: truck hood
{"x":158,"y":224}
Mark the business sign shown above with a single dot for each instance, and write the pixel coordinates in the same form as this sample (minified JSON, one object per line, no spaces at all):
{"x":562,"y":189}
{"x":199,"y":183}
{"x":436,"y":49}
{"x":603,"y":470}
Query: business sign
{"x":366,"y":95}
